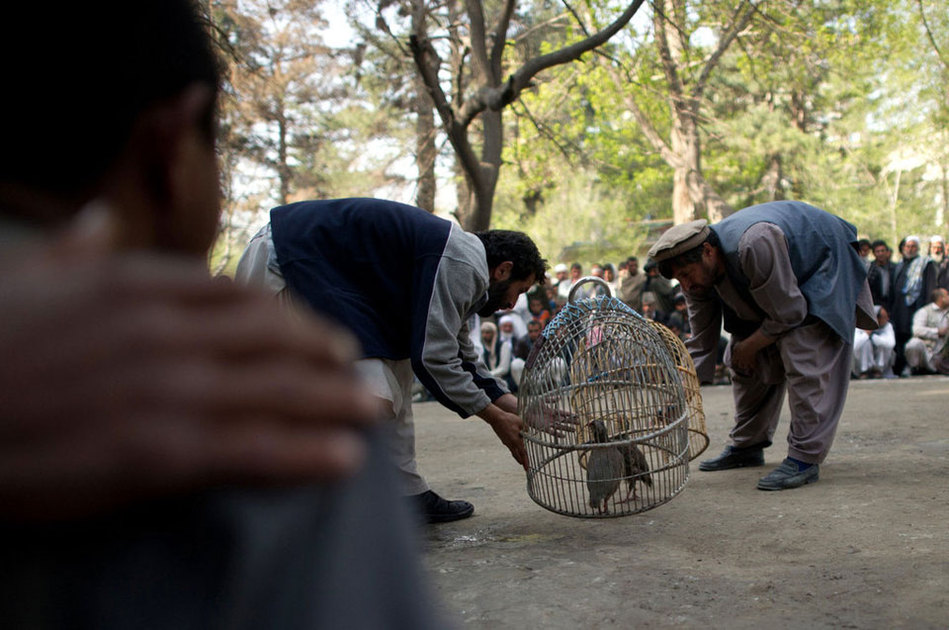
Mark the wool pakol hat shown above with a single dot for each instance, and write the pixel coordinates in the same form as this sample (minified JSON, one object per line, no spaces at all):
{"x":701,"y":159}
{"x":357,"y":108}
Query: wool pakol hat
{"x":679,"y":239}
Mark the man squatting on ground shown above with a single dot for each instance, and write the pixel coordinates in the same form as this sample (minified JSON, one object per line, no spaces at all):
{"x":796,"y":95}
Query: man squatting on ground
{"x":406,"y":282}
{"x":791,"y":287}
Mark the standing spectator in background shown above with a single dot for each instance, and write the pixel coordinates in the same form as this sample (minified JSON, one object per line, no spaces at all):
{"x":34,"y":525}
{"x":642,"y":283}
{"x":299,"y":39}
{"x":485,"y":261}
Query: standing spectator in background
{"x":880,"y":276}
{"x":865,"y":249}
{"x":875,"y":350}
{"x":609,"y":276}
{"x":576,"y":272}
{"x":679,"y":317}
{"x":930,"y":328}
{"x":522,"y":349}
{"x":498,"y":352}
{"x":662,"y":289}
{"x":597,"y":290}
{"x":937,"y":251}
{"x":649,"y":308}
{"x":632,"y":283}
{"x":937,"y":248}
{"x":560,"y":275}
{"x":522,"y":309}
{"x":914,"y":280}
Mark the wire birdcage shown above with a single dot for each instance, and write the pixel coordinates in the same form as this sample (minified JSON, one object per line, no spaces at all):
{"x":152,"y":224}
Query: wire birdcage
{"x":605,"y":411}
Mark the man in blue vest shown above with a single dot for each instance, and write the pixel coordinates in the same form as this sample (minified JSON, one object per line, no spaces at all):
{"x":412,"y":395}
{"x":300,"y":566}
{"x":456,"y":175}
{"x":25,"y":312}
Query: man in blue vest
{"x":405,"y":282}
{"x":787,"y":281}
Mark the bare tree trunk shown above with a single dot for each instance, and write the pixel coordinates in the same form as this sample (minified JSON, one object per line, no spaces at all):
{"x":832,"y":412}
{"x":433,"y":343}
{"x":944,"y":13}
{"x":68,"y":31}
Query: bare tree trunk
{"x":425,"y":149}
{"x":894,"y":203}
{"x":492,"y":131}
{"x":283,"y":168}
{"x":683,"y":206}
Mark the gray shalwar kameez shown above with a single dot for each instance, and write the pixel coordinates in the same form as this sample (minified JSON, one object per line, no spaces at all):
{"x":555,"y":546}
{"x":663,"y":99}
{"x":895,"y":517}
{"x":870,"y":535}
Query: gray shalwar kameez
{"x":808,"y":357}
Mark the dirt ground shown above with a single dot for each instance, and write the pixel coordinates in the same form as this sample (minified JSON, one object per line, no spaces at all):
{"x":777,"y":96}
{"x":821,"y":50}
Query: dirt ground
{"x":865,"y":547}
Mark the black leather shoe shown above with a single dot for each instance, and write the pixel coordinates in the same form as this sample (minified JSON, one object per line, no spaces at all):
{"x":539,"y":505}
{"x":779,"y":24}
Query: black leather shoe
{"x":787,"y":476}
{"x":435,"y":509}
{"x":733,"y":457}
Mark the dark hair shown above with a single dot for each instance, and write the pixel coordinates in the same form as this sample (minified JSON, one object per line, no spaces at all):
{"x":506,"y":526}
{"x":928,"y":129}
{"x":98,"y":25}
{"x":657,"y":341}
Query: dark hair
{"x":667,"y":267}
{"x":877,"y":243}
{"x":864,"y":241}
{"x":517,"y":247}
{"x":79,"y":74}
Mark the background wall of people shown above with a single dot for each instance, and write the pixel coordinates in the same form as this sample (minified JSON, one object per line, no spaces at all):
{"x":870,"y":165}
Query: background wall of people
{"x":910,"y":289}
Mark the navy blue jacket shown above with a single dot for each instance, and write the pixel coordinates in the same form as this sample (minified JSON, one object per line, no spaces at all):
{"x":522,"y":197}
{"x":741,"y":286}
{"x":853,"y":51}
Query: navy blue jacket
{"x":403,"y":280}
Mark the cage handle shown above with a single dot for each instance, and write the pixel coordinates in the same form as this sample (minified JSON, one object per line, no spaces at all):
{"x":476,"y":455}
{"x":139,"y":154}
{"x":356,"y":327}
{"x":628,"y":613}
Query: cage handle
{"x":588,"y":280}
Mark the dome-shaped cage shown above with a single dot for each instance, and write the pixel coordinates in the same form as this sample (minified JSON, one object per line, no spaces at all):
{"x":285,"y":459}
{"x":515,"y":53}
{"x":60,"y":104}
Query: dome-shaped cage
{"x":605,"y":412}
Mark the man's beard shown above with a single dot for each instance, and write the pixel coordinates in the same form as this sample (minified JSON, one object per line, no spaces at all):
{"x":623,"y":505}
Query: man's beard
{"x":496,"y":294}
{"x":937,"y":257}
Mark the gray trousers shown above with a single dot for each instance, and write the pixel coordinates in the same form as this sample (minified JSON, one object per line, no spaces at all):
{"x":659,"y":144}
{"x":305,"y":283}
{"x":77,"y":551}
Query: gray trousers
{"x":813,"y":364}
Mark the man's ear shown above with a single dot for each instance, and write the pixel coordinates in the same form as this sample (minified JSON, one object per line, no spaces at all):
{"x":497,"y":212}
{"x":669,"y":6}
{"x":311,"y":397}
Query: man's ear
{"x":708,"y":251}
{"x":503,"y":271}
{"x":175,"y":130}
{"x":181,"y":177}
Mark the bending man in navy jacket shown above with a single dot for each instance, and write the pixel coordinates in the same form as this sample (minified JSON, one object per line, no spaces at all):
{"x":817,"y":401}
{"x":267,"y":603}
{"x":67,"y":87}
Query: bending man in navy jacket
{"x":406,"y":282}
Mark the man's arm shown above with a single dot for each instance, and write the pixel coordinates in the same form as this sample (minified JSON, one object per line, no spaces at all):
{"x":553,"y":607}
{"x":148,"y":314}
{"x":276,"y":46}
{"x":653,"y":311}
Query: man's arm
{"x":765,"y":261}
{"x":705,"y":318}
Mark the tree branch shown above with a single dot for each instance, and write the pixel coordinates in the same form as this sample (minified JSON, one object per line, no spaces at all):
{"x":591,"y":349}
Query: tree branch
{"x":739,"y":22}
{"x":479,"y":51}
{"x":496,"y":97}
{"x":499,"y":38}
{"x":929,"y":34}
{"x":427,"y":62}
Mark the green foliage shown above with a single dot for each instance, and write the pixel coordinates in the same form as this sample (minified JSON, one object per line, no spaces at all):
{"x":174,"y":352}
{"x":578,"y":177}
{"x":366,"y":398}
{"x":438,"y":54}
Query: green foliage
{"x":581,"y":220}
{"x":844,"y":104}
